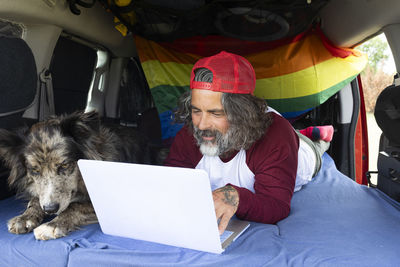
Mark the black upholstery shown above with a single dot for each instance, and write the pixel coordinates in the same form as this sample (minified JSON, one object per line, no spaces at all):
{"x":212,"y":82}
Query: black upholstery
{"x":387,"y":116}
{"x":387,"y":113}
{"x":136,"y":104}
{"x":18,"y":82}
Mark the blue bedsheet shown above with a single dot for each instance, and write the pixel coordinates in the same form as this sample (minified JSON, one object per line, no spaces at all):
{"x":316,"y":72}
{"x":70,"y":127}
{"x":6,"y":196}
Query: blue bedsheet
{"x":333,"y":222}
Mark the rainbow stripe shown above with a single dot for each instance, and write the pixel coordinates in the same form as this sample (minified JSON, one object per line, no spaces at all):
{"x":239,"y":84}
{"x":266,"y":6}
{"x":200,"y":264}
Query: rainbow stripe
{"x":293,"y":77}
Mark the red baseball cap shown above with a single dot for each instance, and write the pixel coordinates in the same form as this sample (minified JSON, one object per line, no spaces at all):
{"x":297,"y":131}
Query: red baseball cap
{"x":231,"y":74}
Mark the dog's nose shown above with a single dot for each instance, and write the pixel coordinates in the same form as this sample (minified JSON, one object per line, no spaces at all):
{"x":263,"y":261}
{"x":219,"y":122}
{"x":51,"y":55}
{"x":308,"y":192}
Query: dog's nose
{"x":51,"y":208}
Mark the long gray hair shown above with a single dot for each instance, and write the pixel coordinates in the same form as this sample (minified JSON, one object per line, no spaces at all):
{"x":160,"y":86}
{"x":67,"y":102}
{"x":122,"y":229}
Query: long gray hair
{"x":246,"y":114}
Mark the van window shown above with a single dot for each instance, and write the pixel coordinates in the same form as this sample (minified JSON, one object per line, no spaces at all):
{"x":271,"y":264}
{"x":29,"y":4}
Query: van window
{"x":72,"y":68}
{"x":377,"y":76}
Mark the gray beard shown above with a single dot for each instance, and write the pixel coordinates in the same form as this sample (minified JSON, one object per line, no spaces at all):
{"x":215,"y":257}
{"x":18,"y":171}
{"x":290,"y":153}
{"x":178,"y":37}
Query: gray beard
{"x":209,"y":150}
{"x":220,"y":145}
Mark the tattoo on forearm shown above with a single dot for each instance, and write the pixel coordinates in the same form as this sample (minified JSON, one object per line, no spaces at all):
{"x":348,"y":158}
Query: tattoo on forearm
{"x":230,"y":194}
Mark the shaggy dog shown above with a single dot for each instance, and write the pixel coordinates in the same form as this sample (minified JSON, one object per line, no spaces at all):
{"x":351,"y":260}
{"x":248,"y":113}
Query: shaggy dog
{"x":43,"y":169}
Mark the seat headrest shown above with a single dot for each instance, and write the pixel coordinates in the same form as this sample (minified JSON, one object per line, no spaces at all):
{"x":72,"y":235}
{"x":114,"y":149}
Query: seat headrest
{"x":387,"y":113}
{"x":18,"y":76}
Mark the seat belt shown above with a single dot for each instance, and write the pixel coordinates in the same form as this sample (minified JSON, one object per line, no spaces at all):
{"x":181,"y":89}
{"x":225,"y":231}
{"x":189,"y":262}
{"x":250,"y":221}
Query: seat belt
{"x":46,"y":103}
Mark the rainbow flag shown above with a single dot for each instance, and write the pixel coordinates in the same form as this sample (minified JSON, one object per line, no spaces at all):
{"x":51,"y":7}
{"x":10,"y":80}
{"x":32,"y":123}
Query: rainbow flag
{"x":294,"y":76}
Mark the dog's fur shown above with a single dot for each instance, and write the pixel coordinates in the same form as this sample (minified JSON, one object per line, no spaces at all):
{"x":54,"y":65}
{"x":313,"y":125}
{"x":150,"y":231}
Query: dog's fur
{"x":43,"y":168}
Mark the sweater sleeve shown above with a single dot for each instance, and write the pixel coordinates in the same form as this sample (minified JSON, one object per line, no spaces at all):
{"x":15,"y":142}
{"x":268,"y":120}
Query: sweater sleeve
{"x":273,"y":160}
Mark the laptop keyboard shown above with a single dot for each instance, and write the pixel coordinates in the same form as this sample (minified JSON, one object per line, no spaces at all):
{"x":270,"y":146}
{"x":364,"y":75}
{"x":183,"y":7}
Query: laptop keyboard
{"x":225,"y":235}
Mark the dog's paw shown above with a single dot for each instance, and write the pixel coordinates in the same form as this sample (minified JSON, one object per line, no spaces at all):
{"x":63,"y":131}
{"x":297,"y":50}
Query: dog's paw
{"x":49,"y":231}
{"x":21,"y":224}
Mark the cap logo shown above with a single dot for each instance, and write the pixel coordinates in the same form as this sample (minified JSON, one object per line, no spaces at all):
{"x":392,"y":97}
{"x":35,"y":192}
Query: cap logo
{"x":207,"y":86}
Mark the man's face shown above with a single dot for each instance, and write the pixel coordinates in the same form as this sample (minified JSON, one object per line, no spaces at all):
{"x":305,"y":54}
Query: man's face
{"x":209,"y":121}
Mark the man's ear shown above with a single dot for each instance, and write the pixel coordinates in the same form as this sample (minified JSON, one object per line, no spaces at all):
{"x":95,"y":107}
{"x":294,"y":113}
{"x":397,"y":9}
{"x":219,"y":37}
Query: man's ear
{"x":80,"y":125}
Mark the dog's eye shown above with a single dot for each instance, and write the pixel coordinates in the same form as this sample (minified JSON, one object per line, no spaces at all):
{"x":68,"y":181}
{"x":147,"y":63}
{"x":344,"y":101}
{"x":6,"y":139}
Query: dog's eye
{"x":63,"y":167}
{"x":34,"y":171}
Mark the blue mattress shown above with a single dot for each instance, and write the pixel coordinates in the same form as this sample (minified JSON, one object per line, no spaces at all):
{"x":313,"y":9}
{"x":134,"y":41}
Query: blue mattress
{"x":333,"y":222}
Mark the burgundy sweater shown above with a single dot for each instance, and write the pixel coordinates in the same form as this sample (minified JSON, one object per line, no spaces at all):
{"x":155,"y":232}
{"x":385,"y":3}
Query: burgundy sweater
{"x":272,"y":159}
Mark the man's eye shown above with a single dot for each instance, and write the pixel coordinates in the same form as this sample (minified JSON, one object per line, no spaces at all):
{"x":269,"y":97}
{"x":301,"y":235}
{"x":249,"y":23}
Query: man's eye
{"x":218,"y":115}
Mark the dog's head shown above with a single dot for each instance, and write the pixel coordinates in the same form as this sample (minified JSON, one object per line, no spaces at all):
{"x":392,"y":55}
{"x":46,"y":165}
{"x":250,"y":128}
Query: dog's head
{"x":43,"y":159}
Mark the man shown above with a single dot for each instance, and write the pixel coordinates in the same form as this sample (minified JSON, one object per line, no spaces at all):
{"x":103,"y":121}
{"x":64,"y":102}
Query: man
{"x":251,"y":155}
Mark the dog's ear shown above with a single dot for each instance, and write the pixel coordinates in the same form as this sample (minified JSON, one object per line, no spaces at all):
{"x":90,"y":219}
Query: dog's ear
{"x":81,"y":125}
{"x":11,"y":145}
{"x":11,"y":152}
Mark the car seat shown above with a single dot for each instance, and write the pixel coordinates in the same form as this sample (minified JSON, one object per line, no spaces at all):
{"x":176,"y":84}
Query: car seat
{"x":18,"y":87}
{"x":136,"y":104}
{"x":387,"y":116}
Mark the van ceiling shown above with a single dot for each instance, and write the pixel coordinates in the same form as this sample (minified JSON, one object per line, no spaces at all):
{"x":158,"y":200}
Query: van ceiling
{"x":349,"y":22}
{"x":267,"y":20}
{"x":345,"y":22}
{"x":94,"y":24}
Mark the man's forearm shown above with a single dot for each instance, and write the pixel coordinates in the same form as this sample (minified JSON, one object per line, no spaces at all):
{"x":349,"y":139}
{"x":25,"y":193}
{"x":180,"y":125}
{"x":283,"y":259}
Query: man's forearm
{"x":260,"y":208}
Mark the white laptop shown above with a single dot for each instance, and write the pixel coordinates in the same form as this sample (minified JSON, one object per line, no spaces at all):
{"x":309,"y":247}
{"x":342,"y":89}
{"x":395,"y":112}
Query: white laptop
{"x":167,"y":205}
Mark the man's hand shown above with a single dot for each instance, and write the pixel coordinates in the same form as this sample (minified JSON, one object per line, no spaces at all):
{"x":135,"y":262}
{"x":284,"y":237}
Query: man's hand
{"x":226,"y":202}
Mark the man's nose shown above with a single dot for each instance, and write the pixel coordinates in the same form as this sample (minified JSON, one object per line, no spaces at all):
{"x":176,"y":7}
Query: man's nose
{"x":204,"y":123}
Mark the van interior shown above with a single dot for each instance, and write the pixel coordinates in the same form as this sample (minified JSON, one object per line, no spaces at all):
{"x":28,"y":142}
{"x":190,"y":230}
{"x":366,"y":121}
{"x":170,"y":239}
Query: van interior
{"x":130,"y":61}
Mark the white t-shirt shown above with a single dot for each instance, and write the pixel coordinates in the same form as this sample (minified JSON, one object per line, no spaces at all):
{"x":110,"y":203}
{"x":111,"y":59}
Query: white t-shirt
{"x":237,"y":172}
